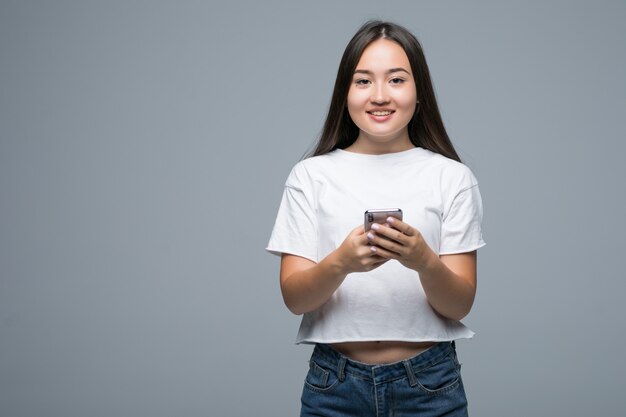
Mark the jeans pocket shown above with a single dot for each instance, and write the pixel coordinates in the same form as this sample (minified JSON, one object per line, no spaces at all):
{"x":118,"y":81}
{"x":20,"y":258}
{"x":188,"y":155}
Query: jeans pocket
{"x":440,"y":377}
{"x":319,"y":378}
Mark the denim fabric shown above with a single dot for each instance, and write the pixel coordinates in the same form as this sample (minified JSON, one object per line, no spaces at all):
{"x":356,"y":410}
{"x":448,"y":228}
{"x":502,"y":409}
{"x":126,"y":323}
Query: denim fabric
{"x":428,"y":385}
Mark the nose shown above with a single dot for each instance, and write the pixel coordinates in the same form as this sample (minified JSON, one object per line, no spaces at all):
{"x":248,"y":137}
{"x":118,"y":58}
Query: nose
{"x":379,"y":94}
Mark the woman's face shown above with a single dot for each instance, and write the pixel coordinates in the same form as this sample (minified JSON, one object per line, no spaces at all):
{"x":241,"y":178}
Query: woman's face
{"x":382,"y":97}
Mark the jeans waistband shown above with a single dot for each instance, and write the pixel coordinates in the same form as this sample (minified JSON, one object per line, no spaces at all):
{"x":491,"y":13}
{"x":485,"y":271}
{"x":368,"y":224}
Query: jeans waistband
{"x":327,"y":356}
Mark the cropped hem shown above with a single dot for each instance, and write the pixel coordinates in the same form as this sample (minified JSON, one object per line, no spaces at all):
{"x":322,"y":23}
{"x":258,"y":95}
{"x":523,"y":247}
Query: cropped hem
{"x":313,"y":341}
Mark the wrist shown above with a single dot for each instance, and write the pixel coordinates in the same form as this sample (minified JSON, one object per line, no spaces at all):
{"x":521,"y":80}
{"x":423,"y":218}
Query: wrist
{"x":430,"y":263}
{"x":335,"y":264}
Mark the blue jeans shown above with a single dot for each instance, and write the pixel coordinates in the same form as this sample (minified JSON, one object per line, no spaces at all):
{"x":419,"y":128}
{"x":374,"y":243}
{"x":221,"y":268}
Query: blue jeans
{"x":428,"y":384}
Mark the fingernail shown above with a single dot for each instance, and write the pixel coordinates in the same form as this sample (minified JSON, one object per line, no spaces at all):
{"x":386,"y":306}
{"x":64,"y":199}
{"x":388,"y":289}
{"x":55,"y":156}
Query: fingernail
{"x":373,"y":248}
{"x":375,"y":226}
{"x":390,"y":220}
{"x":370,"y":236}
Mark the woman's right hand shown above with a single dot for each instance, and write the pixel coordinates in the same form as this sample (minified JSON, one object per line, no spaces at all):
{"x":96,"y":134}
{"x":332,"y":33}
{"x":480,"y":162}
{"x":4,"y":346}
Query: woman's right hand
{"x":355,"y":253}
{"x":306,"y":285}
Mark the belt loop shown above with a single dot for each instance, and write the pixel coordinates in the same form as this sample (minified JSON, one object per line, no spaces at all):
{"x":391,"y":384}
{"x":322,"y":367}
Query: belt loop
{"x":341,"y":367}
{"x":409,"y":372}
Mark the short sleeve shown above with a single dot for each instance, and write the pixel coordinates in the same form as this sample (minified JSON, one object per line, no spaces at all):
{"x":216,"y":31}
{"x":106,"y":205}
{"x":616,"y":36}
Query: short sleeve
{"x":295,"y":229}
{"x":461,"y":229}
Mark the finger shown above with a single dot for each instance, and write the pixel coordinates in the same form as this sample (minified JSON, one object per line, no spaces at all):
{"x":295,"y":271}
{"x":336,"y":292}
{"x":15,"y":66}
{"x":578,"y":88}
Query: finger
{"x":364,"y":239}
{"x":382,"y":252}
{"x":375,"y":258}
{"x":379,"y":263}
{"x":392,"y":234}
{"x":390,"y":245}
{"x":405,"y":228}
{"x":359,"y":230}
{"x":374,"y":237}
{"x":359,"y":235}
{"x":366,"y":251}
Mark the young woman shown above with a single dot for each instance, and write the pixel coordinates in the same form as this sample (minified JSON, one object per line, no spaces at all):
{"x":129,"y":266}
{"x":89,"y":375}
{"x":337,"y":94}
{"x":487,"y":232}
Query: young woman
{"x":382,"y":307}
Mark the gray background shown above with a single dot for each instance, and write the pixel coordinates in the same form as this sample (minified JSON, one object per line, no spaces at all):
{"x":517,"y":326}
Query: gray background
{"x":144,"y":146}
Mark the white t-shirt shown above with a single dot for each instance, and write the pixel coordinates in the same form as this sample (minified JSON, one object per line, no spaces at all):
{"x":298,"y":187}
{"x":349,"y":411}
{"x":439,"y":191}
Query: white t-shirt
{"x":325,"y":198}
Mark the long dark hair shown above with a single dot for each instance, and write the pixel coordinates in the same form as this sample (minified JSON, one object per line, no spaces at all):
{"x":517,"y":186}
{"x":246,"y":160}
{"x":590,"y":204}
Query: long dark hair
{"x":426,"y":127}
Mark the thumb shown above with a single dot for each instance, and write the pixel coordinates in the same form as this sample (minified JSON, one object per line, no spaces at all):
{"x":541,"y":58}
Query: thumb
{"x":360,"y":230}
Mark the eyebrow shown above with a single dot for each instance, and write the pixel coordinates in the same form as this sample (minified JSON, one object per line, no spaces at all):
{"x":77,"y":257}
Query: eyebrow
{"x":389,"y":71}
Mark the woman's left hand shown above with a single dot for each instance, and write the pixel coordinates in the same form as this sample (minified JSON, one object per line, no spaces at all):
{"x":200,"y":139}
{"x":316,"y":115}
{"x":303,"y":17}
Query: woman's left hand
{"x":399,"y":240}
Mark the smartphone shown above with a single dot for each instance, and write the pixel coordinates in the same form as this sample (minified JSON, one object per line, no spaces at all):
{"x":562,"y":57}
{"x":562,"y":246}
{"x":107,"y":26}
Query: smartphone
{"x":380,"y":216}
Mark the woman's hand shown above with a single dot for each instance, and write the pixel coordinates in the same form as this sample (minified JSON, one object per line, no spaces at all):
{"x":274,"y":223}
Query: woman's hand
{"x":355,"y":253}
{"x":307,"y":285}
{"x":449,"y":282}
{"x":399,"y":240}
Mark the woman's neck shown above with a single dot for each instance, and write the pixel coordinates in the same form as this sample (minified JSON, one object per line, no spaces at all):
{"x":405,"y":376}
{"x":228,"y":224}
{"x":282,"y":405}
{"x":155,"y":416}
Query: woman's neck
{"x":380,"y":146}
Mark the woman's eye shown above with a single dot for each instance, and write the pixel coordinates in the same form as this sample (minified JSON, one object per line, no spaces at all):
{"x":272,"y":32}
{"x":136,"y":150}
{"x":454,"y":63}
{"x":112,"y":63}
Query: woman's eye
{"x":362,"y":82}
{"x":396,"y":81}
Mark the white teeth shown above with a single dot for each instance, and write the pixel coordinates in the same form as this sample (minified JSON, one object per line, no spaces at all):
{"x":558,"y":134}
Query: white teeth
{"x":381,"y":113}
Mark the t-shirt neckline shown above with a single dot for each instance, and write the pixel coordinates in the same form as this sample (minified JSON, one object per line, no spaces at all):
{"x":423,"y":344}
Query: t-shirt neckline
{"x":377,"y":157}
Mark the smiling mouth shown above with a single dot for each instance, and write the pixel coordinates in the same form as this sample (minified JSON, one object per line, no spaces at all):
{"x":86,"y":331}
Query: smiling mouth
{"x":381,"y":113}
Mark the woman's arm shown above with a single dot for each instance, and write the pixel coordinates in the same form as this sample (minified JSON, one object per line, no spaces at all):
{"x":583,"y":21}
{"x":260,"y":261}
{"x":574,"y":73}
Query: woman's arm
{"x":307,"y":285}
{"x":449,"y":281}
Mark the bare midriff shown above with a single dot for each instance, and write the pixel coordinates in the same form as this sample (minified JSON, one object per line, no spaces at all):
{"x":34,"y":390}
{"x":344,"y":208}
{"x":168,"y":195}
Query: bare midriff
{"x":383,"y":352}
